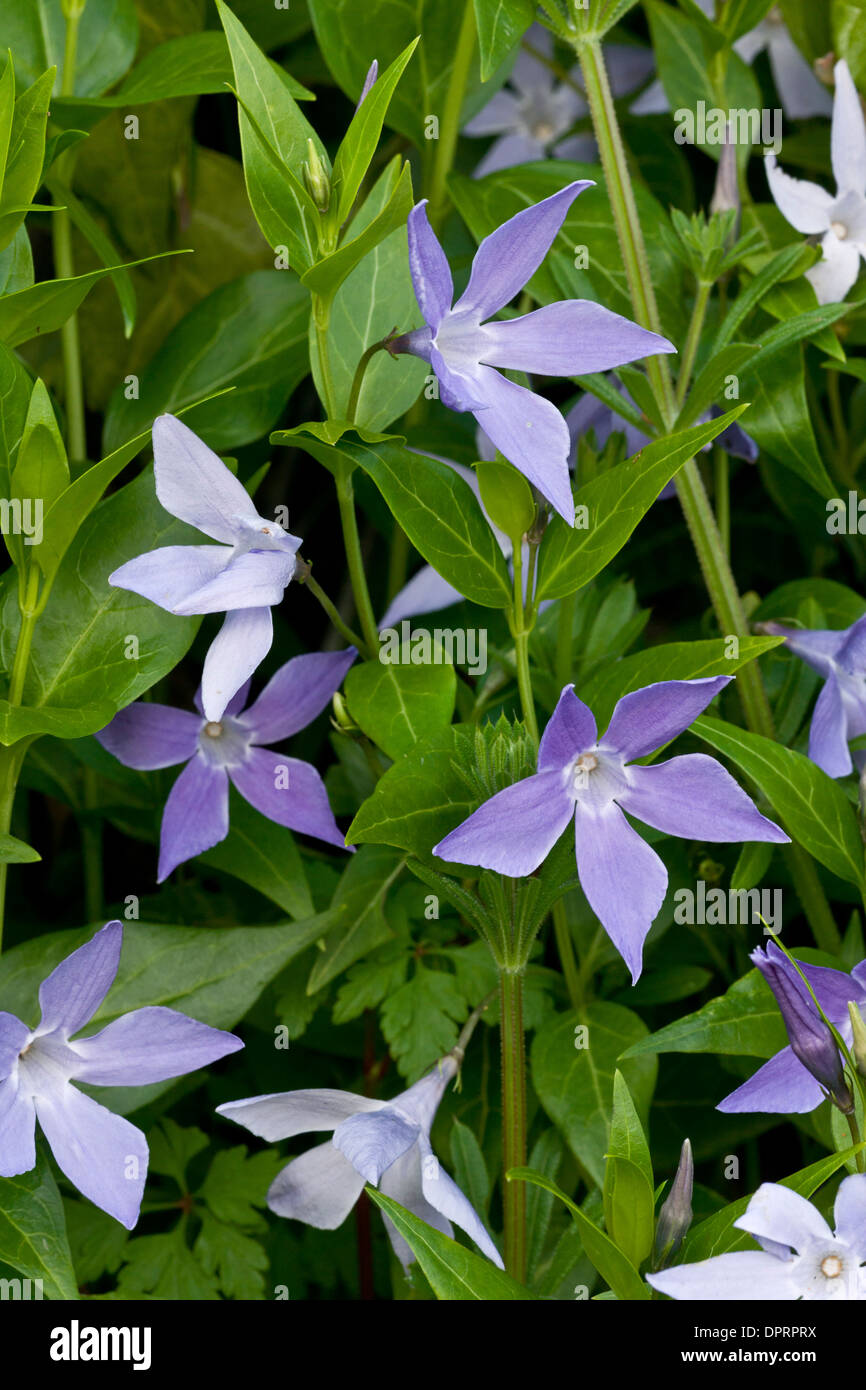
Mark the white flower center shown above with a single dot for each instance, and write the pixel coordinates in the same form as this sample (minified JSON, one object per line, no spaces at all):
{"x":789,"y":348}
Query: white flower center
{"x":45,"y":1063}
{"x":543,"y":131}
{"x":831,"y":1267}
{"x":594,"y":778}
{"x":213,"y":729}
{"x":224,"y":742}
{"x":839,"y":229}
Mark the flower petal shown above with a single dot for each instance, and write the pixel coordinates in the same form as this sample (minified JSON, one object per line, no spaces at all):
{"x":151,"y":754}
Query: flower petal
{"x":420,"y":1102}
{"x":442,"y":1192}
{"x":847,"y":133}
{"x":571,"y":338}
{"x":530,"y":432}
{"x":570,"y":730}
{"x":458,"y":390}
{"x":624,"y":880}
{"x":832,"y":277}
{"x":529,"y":75}
{"x":801,"y":94}
{"x":256,"y":579}
{"x":744,"y":1275}
{"x":17,"y":1130}
{"x":850,"y":1213}
{"x":507,"y":152}
{"x":169,"y":575}
{"x":238,"y":649}
{"x":426,"y":592}
{"x":694,"y":797}
{"x":101,"y":1153}
{"x":819,"y":648}
{"x":828,"y":732}
{"x":194,"y":484}
{"x":284,"y":1114}
{"x":148,"y":1045}
{"x":781,"y":1086}
{"x":777,"y":1213}
{"x":627,"y":66}
{"x":320,"y":1187}
{"x":402,"y":1181}
{"x":513,"y":831}
{"x":428,"y":264}
{"x":510,"y":256}
{"x":296,"y":694}
{"x":196,"y":815}
{"x":71,"y":994}
{"x":805,"y":205}
{"x":147,"y":736}
{"x":646,"y":719}
{"x":289,"y":792}
{"x":501,"y":113}
{"x":13,"y":1036}
{"x":372,"y":1143}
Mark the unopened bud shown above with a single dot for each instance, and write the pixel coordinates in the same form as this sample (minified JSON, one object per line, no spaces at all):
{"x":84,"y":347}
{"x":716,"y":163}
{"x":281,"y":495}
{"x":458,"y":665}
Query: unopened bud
{"x":341,"y":718}
{"x":316,"y":178}
{"x":858,"y":1028}
{"x":811,"y":1041}
{"x":675,"y":1216}
{"x":726,"y":194}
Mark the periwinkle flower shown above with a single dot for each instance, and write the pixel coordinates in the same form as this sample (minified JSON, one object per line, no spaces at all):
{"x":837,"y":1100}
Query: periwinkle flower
{"x":800,"y":1257}
{"x":840,"y":219}
{"x":789,"y":1084}
{"x":102,"y":1154}
{"x":242,"y":577}
{"x":568,"y":338}
{"x":288,"y":791}
{"x":386,"y":1143}
{"x":839,"y":655}
{"x":812,"y":1043}
{"x":593,"y":782}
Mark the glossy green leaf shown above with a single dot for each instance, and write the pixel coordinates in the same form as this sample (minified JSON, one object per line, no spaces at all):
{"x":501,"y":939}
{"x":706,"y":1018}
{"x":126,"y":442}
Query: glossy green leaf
{"x":359,"y":143}
{"x":501,"y":25}
{"x":355,"y":923}
{"x":745,"y":1021}
{"x":14,"y":851}
{"x":398,"y":704}
{"x":33,"y":1231}
{"x":107,"y":39}
{"x":23,"y":172}
{"x":264,"y":855}
{"x":328,"y":274}
{"x":455,"y":1274}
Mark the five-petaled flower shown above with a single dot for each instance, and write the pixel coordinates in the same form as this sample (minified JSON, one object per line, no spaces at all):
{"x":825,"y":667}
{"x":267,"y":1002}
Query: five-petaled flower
{"x":593,"y":782}
{"x":100,"y":1152}
{"x":786,"y":1085}
{"x":800,"y":1257}
{"x":242,"y":577}
{"x":286,"y":790}
{"x":841,"y":220}
{"x":839,"y":655}
{"x":569,"y":338}
{"x":386,"y":1143}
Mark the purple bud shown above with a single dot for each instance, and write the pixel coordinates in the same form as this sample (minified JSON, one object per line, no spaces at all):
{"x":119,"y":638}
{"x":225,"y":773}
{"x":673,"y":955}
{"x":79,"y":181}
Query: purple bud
{"x":811,"y":1040}
{"x":369,"y":81}
{"x":675,"y":1216}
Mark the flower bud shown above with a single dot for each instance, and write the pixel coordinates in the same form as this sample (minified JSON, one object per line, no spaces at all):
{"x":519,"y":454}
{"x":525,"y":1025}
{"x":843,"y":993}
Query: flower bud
{"x":858,"y":1028}
{"x":726,"y":194}
{"x":316,"y":178}
{"x":675,"y":1216}
{"x":811,"y":1041}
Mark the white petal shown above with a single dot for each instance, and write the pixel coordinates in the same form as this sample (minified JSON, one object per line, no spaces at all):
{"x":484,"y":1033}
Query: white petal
{"x":848,"y":133}
{"x":320,"y":1187}
{"x":832,"y":277}
{"x":779,"y":1214}
{"x":748,"y":1275}
{"x":286,"y":1113}
{"x":805,"y":205}
{"x":850,"y":1213}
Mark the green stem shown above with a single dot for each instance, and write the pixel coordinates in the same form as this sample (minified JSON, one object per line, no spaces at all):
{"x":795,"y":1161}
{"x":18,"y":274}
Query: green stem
{"x":565,"y":948}
{"x":76,"y":439}
{"x":352,"y":542}
{"x":696,"y":328}
{"x":860,"y":1158}
{"x":333,"y":613}
{"x":521,"y":633}
{"x":358,"y":379}
{"x":449,"y":125}
{"x":513,"y":1120}
{"x":722,"y":497}
{"x":321,"y":323}
{"x":12,"y":758}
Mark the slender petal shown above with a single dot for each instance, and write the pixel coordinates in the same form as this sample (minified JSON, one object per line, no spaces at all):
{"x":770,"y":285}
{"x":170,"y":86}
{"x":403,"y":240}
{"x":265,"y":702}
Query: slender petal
{"x":852,"y":650}
{"x":850,"y":1213}
{"x":238,"y":649}
{"x":196,"y":815}
{"x":574,"y":336}
{"x":530,"y":76}
{"x":13,"y":1037}
{"x":320,"y":1187}
{"x":256,"y":579}
{"x":442,"y":1192}
{"x":778,"y":1214}
{"x":805,"y":205}
{"x":646,"y":719}
{"x":832,"y":277}
{"x":501,"y":114}
{"x":149,"y":736}
{"x":510,"y":256}
{"x":828,"y":732}
{"x":426,"y":592}
{"x":287,"y":1113}
{"x":570,"y":730}
{"x":148,"y":1045}
{"x":818,"y":648}
{"x":508,"y":152}
{"x":781,"y":1086}
{"x":530,"y":432}
{"x":624,"y":880}
{"x":402,"y":1181}
{"x":745,"y":1275}
{"x":458,"y":389}
{"x":101,"y":1153}
{"x":193,"y":483}
{"x":17,"y":1130}
{"x":296,"y":694}
{"x":431,"y":273}
{"x":847,"y":133}
{"x":372,"y":1143}
{"x":695,"y":797}
{"x":369,"y":82}
{"x":801,"y":93}
{"x":289,"y":792}
{"x":71,"y":994}
{"x":169,"y":575}
{"x":627,"y":66}
{"x":513,"y":831}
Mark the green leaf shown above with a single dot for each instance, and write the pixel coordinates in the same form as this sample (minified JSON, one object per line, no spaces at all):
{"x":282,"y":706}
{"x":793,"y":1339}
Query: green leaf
{"x":575,"y":1082}
{"x":23,"y":173}
{"x":107,"y":40}
{"x":506,"y":497}
{"x":359,"y":143}
{"x":13,"y":851}
{"x":102,"y":244}
{"x":613,"y":1266}
{"x":470,"y":1170}
{"x":396,"y":705}
{"x":442,"y":518}
{"x":455,"y":1274}
{"x":419,"y":1020}
{"x":629,"y":1201}
{"x":745,"y":1021}
{"x":616,"y":501}
{"x":42,"y":470}
{"x":164,"y":1267}
{"x":33,"y":1230}
{"x":778,"y":420}
{"x":264,"y":855}
{"x":814,"y":808}
{"x":15,"y":391}
{"x":234,"y":1259}
{"x":19,"y":721}
{"x":501,"y":25}
{"x":355,"y":922}
{"x":328,"y":274}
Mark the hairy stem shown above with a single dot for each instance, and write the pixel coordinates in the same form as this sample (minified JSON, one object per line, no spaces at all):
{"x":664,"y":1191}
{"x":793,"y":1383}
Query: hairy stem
{"x":513,"y":1120}
{"x":352,"y":542}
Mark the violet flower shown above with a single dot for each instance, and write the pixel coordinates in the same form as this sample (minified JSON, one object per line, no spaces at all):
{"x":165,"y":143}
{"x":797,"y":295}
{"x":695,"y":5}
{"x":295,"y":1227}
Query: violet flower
{"x":787,"y":1084}
{"x":101,"y":1153}
{"x":839,"y":655}
{"x":569,"y":338}
{"x":147,"y":736}
{"x":841,"y":219}
{"x":386,"y":1143}
{"x":593,"y":782}
{"x":242,"y":577}
{"x":800,"y":1257}
{"x":812,"y":1043}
